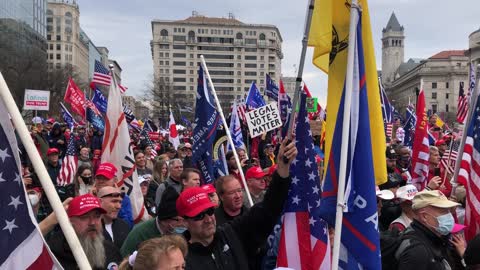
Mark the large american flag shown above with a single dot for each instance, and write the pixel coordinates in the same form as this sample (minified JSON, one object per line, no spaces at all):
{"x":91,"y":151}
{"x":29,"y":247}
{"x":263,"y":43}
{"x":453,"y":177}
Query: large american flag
{"x":22,"y":244}
{"x":463,"y":99}
{"x":421,"y":151}
{"x":241,"y":110}
{"x":304,"y":242}
{"x":69,"y":165}
{"x":101,"y":74}
{"x":469,"y":174}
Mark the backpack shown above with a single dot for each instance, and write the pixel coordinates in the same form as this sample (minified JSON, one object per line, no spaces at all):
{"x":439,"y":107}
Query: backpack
{"x":393,"y":243}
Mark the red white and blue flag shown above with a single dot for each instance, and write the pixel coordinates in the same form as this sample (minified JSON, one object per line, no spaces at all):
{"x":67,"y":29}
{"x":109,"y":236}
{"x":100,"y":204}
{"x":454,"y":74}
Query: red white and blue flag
{"x":360,"y":243}
{"x":464,"y":100}
{"x":469,"y":174}
{"x":421,"y":144}
{"x":304,"y":242}
{"x":101,"y":74}
{"x":22,"y":243}
{"x":69,"y":165}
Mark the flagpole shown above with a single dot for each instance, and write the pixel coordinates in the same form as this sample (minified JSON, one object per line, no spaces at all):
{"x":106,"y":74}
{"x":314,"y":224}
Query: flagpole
{"x":472,"y":101}
{"x":448,"y":161}
{"x":227,"y":130}
{"x":383,"y":101}
{"x":354,"y":17}
{"x":43,"y":176}
{"x":298,"y":82}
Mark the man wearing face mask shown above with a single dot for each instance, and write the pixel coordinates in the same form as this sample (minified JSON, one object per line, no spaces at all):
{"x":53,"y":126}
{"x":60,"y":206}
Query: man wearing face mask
{"x":403,"y":162}
{"x":426,"y":245}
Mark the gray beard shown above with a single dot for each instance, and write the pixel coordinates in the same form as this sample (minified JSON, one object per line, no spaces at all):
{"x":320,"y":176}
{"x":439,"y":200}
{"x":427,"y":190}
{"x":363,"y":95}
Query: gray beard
{"x":94,"y":250}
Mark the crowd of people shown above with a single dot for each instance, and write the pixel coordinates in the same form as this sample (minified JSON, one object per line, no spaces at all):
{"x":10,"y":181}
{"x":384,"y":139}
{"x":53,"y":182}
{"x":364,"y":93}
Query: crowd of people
{"x":194,"y":225}
{"x":218,"y":226}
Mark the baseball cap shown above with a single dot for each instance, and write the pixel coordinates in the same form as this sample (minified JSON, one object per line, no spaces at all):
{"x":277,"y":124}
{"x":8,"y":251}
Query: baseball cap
{"x":193,"y":201}
{"x":51,"y":120}
{"x":142,"y":179}
{"x":406,"y":193}
{"x":255,"y":172}
{"x":37,"y":120}
{"x":106,"y":169}
{"x":267,"y":145}
{"x":390,"y":153}
{"x":81,"y":205}
{"x":209,"y":188}
{"x":440,"y":142}
{"x":433,"y":198}
{"x":52,"y":151}
{"x":384,"y":194}
{"x":188,"y":145}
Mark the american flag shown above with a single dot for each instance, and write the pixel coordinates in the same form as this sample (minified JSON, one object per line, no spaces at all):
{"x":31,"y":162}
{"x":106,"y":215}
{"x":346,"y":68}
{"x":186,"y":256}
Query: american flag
{"x":421,"y":152}
{"x":469,"y":174}
{"x":241,"y":110}
{"x":304,"y":242}
{"x":448,"y":161}
{"x":388,"y":129}
{"x":463,"y":99}
{"x":122,"y":88}
{"x":69,"y":165}
{"x":22,"y":244}
{"x":101,"y":74}
{"x":144,"y":133}
{"x":387,"y":109}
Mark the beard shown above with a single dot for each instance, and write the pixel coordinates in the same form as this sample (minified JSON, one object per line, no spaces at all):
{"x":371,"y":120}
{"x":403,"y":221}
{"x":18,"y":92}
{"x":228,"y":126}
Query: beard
{"x":94,"y":249}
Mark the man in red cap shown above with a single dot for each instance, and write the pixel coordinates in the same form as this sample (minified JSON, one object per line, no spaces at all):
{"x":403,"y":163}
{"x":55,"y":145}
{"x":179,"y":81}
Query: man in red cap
{"x":53,"y":166}
{"x":85,"y":215}
{"x":256,"y":183}
{"x":106,"y":176}
{"x":442,"y":146}
{"x":230,"y":246}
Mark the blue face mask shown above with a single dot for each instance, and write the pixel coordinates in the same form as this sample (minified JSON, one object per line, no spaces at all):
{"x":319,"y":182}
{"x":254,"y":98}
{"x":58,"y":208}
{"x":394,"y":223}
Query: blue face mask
{"x":445,"y":224}
{"x":179,"y":230}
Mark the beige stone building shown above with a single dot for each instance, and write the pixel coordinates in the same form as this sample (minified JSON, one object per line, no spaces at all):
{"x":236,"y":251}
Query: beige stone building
{"x":66,"y":45}
{"x":129,"y":101}
{"x":236,"y":54}
{"x":441,"y":73}
{"x":289,"y":85}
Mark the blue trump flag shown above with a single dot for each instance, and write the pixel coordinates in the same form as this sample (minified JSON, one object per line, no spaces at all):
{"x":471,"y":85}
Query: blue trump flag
{"x":359,"y":238}
{"x":206,"y":123}
{"x":271,"y":89}
{"x":99,"y":100}
{"x":94,"y":116}
{"x":254,"y":98}
{"x":409,"y":126}
{"x":67,"y":116}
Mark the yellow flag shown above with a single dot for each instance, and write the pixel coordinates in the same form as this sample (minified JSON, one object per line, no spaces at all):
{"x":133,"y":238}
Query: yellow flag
{"x":330,"y":55}
{"x":439,"y":122}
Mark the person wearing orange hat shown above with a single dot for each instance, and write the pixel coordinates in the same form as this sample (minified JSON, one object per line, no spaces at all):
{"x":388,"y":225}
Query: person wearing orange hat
{"x":256,"y":183}
{"x":85,"y":214}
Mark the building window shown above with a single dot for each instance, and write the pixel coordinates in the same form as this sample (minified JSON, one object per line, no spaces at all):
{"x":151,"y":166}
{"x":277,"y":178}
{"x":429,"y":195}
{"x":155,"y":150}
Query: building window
{"x":446,"y":108}
{"x":447,"y":85}
{"x":191,"y":80}
{"x":59,"y":47}
{"x":59,"y":37}
{"x":239,"y":73}
{"x":164,"y":33}
{"x":167,"y":54}
{"x":179,"y":63}
{"x":167,"y":63}
{"x":434,"y":85}
{"x":250,"y":57}
{"x":51,"y":56}
{"x":50,"y":46}
{"x":447,"y":95}
{"x":161,"y":63}
{"x":179,"y":38}
{"x":49,"y":37}
{"x":434,"y":95}
{"x":59,"y":56}
{"x":179,"y":47}
{"x":239,"y":57}
{"x":160,"y":54}
{"x":181,"y":55}
{"x":179,"y":71}
{"x":191,"y":71}
{"x":434,"y":108}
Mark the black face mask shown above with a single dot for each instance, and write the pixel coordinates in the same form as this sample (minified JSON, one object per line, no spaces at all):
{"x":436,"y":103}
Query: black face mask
{"x":390,"y":169}
{"x":86,"y":180}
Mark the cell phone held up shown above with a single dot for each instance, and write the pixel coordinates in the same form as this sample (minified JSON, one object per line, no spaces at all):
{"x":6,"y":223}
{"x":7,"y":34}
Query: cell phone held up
{"x":437,"y":172}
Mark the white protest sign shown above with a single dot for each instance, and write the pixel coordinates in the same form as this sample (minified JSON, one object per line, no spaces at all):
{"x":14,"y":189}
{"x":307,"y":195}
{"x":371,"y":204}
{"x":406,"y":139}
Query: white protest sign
{"x":263,"y":119}
{"x":36,"y":100}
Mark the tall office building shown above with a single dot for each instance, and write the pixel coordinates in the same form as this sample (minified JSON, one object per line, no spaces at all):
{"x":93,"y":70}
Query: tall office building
{"x":67,"y":43}
{"x":23,"y":48}
{"x":236,"y":54}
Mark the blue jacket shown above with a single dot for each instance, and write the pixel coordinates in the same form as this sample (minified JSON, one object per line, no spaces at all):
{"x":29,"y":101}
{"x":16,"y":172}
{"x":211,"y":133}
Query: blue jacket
{"x":125,"y":212}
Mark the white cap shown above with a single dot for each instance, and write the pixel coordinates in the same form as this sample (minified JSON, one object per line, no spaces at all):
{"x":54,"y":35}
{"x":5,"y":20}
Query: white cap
{"x":384,"y":194}
{"x":37,"y":120}
{"x":406,"y":193}
{"x":141,"y":179}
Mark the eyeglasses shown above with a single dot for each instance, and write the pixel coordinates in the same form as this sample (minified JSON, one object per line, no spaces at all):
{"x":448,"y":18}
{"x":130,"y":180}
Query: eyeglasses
{"x":115,"y":195}
{"x":201,"y":216}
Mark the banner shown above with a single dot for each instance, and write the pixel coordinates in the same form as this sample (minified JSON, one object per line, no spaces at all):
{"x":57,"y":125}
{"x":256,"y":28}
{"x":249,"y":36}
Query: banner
{"x":36,"y":100}
{"x":263,"y":119}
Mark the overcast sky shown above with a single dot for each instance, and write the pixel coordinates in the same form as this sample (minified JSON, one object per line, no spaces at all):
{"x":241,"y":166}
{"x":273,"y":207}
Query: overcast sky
{"x":125,"y":28}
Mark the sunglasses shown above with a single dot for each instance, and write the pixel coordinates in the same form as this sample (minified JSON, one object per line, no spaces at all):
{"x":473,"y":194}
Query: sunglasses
{"x":115,"y":195}
{"x":201,"y":216}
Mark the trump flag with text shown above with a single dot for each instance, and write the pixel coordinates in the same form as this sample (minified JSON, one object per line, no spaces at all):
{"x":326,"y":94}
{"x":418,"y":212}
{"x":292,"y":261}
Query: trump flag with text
{"x":359,"y":239}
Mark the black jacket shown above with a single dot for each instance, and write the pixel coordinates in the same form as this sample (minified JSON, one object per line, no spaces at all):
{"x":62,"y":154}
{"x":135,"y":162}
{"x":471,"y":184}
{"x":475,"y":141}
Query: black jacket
{"x":222,"y":217}
{"x":120,"y":230}
{"x":60,"y":248}
{"x":427,"y":251}
{"x":235,"y":242}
